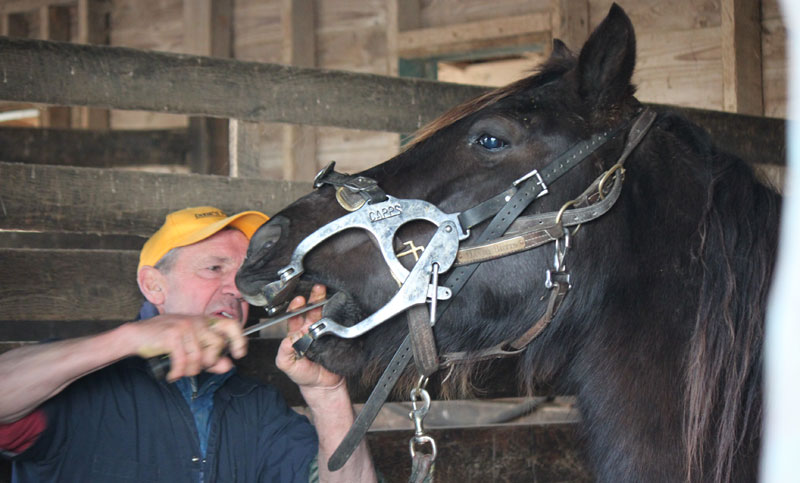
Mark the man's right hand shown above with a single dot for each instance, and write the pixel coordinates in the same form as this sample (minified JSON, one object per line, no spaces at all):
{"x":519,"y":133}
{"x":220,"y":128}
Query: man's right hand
{"x":194,"y":343}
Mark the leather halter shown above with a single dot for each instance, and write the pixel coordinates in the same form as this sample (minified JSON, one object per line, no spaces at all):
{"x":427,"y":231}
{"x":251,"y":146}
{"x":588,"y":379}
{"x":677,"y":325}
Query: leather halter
{"x":506,"y":233}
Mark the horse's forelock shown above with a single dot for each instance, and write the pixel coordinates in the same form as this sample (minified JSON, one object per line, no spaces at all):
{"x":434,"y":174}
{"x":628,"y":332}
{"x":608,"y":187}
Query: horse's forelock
{"x":546,"y":72}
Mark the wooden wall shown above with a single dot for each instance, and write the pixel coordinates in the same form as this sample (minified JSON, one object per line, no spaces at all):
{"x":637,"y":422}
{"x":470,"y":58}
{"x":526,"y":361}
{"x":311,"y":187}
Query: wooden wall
{"x":682,"y":45}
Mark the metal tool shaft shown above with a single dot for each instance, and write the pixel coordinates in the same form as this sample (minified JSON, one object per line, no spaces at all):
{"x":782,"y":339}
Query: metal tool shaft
{"x":161,"y":365}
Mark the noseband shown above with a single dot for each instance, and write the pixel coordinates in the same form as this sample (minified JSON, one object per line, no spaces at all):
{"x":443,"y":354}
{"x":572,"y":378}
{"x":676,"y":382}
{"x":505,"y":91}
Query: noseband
{"x":421,"y":295}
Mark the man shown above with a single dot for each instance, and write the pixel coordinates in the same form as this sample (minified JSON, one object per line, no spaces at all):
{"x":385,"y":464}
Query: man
{"x":87,"y":409}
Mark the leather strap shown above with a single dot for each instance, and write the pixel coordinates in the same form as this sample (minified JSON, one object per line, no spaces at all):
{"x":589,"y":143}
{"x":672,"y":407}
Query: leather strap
{"x":373,"y":405}
{"x":423,"y":344}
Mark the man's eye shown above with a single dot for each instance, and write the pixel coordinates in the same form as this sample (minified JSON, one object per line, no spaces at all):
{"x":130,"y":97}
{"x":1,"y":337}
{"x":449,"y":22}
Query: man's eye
{"x":490,"y":142}
{"x":215,"y":268}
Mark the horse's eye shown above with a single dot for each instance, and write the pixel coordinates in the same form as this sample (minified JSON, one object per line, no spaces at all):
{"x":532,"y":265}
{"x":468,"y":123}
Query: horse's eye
{"x":492,"y":143}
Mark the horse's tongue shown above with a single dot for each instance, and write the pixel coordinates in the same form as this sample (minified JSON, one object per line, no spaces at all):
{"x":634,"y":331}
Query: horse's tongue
{"x":342,"y":309}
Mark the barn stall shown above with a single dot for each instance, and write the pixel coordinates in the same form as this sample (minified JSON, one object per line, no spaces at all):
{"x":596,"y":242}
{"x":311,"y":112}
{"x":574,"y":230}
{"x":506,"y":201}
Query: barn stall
{"x":72,"y":223}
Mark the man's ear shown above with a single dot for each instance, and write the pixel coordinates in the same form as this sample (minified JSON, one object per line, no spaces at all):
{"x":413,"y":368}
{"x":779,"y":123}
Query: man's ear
{"x":152,"y":284}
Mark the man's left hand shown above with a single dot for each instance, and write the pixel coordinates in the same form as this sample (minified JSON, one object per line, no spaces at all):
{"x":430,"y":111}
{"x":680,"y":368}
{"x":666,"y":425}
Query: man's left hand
{"x":303,"y":372}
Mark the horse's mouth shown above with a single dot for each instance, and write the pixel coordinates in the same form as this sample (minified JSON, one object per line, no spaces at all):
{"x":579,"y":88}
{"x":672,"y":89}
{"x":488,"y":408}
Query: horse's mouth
{"x":343,"y":309}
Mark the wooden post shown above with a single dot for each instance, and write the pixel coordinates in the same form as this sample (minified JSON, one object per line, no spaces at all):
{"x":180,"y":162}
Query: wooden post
{"x":400,"y":15}
{"x":93,"y":28}
{"x":570,"y":20}
{"x":207,"y":31}
{"x":742,"y":90}
{"x":299,"y":142}
{"x":54,"y":25}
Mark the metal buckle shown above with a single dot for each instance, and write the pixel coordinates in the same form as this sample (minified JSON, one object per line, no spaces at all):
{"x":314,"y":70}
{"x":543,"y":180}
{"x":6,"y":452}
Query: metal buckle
{"x":539,"y":181}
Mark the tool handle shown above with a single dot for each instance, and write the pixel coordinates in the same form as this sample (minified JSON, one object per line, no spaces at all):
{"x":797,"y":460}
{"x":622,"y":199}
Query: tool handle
{"x":161,"y":365}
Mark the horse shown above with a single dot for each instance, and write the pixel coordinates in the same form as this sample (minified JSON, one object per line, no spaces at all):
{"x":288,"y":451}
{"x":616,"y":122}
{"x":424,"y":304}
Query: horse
{"x":660,"y":334}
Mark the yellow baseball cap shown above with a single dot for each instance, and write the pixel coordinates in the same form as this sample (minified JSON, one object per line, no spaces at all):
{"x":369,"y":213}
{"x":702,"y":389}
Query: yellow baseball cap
{"x":192,"y":225}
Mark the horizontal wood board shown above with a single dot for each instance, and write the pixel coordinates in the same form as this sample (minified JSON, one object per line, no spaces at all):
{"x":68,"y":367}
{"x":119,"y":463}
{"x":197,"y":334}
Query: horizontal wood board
{"x":96,"y":149}
{"x":134,"y":79}
{"x":87,"y":200}
{"x":121,"y":78}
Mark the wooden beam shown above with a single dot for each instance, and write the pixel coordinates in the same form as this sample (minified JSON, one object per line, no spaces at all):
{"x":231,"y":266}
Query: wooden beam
{"x":741,"y":57}
{"x":299,"y":143}
{"x":570,"y":22}
{"x":54,"y":23}
{"x":83,"y":241}
{"x":94,"y":25}
{"x":134,"y":79}
{"x":97,"y":284}
{"x":95,"y":149}
{"x":117,"y":77}
{"x":486,"y":34}
{"x":87,"y":200}
{"x":208,"y":27}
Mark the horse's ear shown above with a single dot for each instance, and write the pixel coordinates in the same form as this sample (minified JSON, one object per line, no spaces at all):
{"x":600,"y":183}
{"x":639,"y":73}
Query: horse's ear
{"x":606,"y":61}
{"x":560,"y":50}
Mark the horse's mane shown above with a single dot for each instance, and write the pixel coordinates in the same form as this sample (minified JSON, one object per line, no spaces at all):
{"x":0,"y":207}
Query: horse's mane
{"x":737,"y":247}
{"x":548,"y":70}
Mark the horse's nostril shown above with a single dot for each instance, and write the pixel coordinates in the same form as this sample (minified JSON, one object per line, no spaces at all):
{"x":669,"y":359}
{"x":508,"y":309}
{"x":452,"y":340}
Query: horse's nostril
{"x":266,"y":237}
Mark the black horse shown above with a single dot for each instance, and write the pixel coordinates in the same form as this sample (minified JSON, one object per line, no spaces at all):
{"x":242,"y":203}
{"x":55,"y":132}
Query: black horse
{"x":660,"y":336}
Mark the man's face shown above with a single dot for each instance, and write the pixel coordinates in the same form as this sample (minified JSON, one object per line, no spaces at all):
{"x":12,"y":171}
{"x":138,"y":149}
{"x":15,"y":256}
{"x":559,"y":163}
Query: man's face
{"x":201,"y":281}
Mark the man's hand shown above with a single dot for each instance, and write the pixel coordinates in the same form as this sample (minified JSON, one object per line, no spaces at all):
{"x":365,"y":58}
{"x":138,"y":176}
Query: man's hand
{"x":194,"y":343}
{"x":302,"y":371}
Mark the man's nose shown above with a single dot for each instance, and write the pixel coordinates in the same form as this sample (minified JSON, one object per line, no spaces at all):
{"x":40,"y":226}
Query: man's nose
{"x":229,"y":285}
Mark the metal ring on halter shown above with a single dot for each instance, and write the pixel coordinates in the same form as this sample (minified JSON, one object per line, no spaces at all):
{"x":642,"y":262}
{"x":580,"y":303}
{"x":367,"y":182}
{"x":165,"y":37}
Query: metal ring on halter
{"x":605,"y":178}
{"x":563,"y":209}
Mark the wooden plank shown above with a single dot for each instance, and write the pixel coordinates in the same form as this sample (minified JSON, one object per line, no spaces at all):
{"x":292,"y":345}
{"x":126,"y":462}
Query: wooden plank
{"x":299,"y":144}
{"x":88,"y":200}
{"x":774,"y":60}
{"x":264,"y":92}
{"x":94,"y":24}
{"x":207,"y":27}
{"x":84,"y":241}
{"x":571,"y":22}
{"x":97,"y":149}
{"x":542,"y":453}
{"x":54,"y":23}
{"x":680,"y":67}
{"x":486,"y":34}
{"x":140,"y":80}
{"x":741,"y":57}
{"x":60,"y":284}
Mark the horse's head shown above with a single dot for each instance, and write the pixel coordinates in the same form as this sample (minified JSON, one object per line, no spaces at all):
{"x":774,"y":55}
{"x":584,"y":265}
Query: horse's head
{"x":469,"y":155}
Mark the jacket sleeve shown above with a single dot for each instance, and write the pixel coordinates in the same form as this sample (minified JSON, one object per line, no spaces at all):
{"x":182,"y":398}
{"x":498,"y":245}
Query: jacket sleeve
{"x":288,"y":441}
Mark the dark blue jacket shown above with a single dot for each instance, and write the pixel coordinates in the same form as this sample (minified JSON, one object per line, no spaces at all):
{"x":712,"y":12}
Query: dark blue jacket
{"x":120,"y":424}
